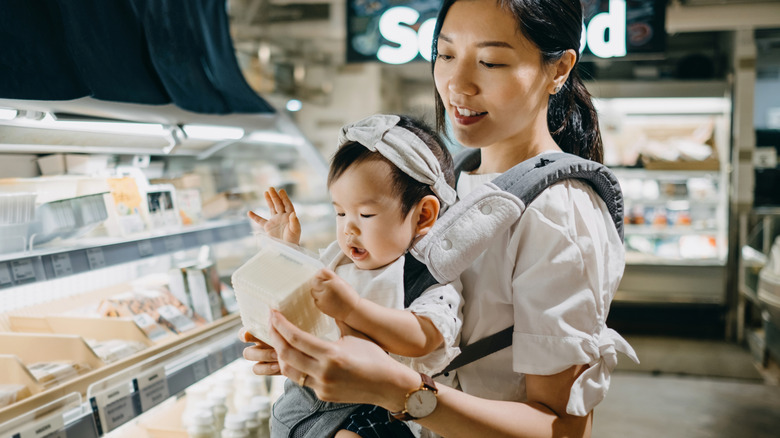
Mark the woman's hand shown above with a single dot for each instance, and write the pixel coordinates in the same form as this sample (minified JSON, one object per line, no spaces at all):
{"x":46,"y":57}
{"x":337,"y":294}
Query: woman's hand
{"x":283,"y":223}
{"x":333,"y":296}
{"x":350,"y":370}
{"x":262,"y":353}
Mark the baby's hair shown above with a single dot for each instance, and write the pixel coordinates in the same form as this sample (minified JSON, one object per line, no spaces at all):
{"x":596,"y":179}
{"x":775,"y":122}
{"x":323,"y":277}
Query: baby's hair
{"x":407,"y":189}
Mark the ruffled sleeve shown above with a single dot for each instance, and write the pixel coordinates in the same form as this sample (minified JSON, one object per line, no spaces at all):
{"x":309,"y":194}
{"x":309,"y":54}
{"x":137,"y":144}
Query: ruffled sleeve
{"x":569,"y":262}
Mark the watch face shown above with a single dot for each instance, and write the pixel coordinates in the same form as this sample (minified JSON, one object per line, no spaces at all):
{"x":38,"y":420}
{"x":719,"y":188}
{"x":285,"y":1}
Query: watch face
{"x":421,"y":403}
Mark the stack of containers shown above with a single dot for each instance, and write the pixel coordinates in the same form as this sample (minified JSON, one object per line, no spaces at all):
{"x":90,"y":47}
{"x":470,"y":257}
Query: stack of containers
{"x":769,"y":295}
{"x":17,"y":212}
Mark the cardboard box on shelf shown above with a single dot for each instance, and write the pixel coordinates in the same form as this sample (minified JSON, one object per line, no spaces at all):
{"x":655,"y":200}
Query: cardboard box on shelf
{"x":53,"y":164}
{"x":16,"y":383}
{"x":54,"y":357}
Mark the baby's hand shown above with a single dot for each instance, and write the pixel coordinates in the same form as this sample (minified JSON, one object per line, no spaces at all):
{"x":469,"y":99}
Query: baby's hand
{"x":283,"y":223}
{"x":333,"y":296}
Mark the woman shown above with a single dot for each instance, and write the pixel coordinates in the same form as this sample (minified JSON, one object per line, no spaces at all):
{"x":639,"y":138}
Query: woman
{"x":504,"y":75}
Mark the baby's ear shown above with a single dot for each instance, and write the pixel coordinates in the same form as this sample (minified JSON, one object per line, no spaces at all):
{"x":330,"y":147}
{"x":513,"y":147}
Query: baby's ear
{"x":427,"y":213}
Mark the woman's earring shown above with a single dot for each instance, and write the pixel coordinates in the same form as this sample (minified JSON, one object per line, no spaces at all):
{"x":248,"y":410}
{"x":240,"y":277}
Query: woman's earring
{"x":557,"y":89}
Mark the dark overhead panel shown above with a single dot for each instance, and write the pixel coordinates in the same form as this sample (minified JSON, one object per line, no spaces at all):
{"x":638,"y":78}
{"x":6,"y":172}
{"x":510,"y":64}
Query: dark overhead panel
{"x":134,"y":51}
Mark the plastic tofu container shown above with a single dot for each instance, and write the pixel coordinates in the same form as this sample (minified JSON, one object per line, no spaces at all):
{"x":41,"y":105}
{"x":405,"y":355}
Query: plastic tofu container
{"x":277,"y":277}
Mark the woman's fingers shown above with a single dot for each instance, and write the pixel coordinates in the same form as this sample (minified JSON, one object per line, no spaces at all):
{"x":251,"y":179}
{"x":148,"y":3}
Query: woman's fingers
{"x":286,"y":336}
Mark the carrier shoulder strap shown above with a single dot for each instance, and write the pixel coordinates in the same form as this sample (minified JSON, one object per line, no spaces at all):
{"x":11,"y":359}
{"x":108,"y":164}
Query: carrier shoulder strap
{"x":467,"y":228}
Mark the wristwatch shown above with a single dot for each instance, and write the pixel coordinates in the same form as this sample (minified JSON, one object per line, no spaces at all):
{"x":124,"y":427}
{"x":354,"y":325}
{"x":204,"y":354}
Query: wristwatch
{"x":420,"y":402}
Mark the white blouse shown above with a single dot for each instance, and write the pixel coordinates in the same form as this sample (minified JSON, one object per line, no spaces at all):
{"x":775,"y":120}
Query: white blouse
{"x":552,"y":275}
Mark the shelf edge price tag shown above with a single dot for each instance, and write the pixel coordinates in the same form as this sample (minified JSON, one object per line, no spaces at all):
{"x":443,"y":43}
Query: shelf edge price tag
{"x":50,"y":427}
{"x":5,"y":274}
{"x":216,"y":360}
{"x":153,"y":388}
{"x":115,"y":407}
{"x":145,"y":248}
{"x":23,"y":270}
{"x":173,"y":243}
{"x":96,"y":258}
{"x":61,"y":265}
{"x":200,"y":369}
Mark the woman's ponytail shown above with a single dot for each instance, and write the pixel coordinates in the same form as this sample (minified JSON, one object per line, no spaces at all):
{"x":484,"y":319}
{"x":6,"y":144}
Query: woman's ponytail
{"x":573,"y":121}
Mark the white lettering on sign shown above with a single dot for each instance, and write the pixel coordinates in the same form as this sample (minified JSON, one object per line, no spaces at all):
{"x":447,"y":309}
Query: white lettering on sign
{"x":615,"y":21}
{"x":395,"y":26}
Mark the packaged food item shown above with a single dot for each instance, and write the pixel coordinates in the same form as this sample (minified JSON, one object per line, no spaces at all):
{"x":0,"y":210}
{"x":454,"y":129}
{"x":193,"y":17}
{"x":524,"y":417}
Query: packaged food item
{"x":277,"y":277}
{"x":10,"y":394}
{"x":150,"y":302}
{"x":125,"y":209}
{"x":205,"y":291}
{"x":53,"y":373}
{"x":161,"y":209}
{"x":113,"y":350}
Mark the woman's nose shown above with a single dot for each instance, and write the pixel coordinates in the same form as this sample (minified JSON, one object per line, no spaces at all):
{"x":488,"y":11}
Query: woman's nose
{"x":462,"y":80}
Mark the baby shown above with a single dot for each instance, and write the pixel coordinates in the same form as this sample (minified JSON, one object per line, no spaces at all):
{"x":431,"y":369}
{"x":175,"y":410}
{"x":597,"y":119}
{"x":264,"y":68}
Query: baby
{"x":387,"y":182}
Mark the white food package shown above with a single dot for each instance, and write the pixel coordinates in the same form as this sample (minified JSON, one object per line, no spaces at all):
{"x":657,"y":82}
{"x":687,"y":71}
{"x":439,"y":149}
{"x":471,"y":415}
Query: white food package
{"x":277,"y":277}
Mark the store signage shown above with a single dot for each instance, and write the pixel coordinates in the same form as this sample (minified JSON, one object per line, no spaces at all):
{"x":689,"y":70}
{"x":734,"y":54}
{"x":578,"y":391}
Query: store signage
{"x":402,"y":31}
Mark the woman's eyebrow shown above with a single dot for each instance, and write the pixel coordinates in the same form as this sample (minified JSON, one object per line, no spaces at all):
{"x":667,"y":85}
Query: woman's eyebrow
{"x":481,"y":44}
{"x":495,"y":44}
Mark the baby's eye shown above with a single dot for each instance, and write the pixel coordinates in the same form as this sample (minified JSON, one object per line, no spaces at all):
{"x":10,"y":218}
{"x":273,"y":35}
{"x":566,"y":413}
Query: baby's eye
{"x":340,"y":214}
{"x":367,"y":215}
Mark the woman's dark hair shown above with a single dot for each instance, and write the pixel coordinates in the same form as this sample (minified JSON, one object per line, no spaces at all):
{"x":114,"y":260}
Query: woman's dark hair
{"x":408,"y":189}
{"x":554,"y":26}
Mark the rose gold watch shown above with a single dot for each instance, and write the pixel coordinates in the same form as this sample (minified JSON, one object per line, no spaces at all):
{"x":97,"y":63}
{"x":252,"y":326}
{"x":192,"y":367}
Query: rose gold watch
{"x":420,"y":402}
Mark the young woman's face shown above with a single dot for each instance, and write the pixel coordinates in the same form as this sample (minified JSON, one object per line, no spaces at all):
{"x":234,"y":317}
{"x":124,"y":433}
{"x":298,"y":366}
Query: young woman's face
{"x":369,"y":227}
{"x":491,"y":79}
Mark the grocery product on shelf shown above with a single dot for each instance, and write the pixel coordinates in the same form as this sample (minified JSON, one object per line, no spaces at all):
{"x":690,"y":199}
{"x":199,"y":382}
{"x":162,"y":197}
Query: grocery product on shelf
{"x":54,"y":373}
{"x":113,"y":350}
{"x":12,"y":393}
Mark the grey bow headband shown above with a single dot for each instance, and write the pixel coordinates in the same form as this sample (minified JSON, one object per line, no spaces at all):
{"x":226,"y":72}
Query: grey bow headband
{"x":403,"y":148}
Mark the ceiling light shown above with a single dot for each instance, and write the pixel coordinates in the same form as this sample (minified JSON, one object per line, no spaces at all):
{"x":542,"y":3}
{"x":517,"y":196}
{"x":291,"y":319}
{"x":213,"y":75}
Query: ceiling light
{"x":8,"y":114}
{"x":213,"y":132}
{"x":294,"y":105}
{"x":274,"y":137}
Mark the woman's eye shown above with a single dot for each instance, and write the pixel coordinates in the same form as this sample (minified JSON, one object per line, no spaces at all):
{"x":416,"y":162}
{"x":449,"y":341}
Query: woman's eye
{"x":492,"y":64}
{"x":443,"y":57}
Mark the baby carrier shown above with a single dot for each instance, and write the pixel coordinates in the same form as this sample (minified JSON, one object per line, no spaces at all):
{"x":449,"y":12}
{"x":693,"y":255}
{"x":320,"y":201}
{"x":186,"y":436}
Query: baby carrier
{"x":468,"y":228}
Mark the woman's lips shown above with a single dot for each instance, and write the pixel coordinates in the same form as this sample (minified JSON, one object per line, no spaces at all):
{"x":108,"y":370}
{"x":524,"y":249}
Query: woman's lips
{"x":468,"y":119}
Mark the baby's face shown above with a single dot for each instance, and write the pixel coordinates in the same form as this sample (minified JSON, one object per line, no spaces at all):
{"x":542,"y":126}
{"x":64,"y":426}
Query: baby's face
{"x":369,"y":226}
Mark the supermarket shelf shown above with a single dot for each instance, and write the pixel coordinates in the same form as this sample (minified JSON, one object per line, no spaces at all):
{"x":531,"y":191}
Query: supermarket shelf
{"x":645,"y":230}
{"x":667,"y":200}
{"x":56,"y":262}
{"x":129,"y":387}
{"x":640,"y":259}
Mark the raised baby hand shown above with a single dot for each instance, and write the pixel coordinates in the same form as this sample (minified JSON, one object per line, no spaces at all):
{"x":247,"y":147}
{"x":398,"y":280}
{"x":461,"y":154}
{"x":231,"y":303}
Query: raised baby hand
{"x":283,"y":223}
{"x":333,"y":296}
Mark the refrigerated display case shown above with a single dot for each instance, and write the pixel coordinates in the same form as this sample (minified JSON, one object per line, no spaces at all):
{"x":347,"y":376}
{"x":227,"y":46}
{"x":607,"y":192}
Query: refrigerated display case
{"x":94,"y":332}
{"x":670,"y":155}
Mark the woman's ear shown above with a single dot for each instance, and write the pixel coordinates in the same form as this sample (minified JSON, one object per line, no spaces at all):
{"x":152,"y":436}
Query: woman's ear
{"x":427,"y":213}
{"x":561,"y":70}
